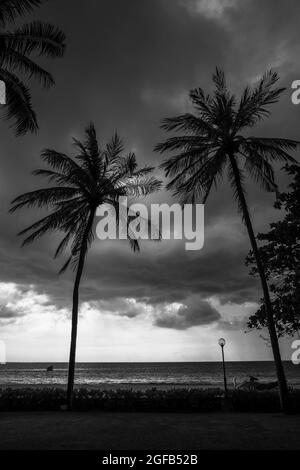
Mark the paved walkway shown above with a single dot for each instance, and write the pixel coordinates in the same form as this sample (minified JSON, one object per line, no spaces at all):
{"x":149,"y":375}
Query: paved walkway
{"x":146,"y":431}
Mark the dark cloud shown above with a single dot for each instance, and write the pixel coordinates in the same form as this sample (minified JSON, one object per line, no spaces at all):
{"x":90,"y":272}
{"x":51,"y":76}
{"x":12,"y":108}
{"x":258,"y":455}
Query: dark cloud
{"x":194,"y":312}
{"x":124,"y":307}
{"x":7,"y":313}
{"x":161,"y":273}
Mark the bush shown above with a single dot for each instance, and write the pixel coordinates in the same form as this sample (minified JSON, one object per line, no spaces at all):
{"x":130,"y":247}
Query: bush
{"x":171,"y":400}
{"x":111,"y":400}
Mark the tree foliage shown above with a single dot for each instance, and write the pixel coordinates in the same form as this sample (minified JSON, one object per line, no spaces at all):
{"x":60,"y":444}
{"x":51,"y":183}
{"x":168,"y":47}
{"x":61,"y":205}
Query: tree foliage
{"x":280,"y":253}
{"x":17,"y":48}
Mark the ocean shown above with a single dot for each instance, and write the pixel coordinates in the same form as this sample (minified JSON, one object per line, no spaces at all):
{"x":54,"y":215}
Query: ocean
{"x":185,"y":374}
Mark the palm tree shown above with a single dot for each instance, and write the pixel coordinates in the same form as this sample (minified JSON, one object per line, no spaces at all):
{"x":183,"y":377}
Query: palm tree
{"x":213,"y":141}
{"x":16,"y":49}
{"x":94,"y":177}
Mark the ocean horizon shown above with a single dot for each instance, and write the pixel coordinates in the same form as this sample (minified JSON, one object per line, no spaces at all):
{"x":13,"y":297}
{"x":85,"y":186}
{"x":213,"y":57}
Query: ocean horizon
{"x":200,"y":374}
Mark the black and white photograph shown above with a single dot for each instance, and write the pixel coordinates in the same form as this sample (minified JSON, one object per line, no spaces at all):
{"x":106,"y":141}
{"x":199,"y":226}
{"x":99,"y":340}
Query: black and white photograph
{"x":150,"y":230}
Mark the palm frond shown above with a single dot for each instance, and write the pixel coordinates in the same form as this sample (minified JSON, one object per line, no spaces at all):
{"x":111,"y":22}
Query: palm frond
{"x":195,"y":184}
{"x":124,"y":166}
{"x":260,"y":171}
{"x":203,"y":105}
{"x":13,"y":60}
{"x":114,"y":148}
{"x":38,"y":37}
{"x":255,"y":102}
{"x":43,"y":197}
{"x":272,"y":149}
{"x":185,"y":142}
{"x":18,"y":104}
{"x":62,"y":162}
{"x":181,"y":163}
{"x":187,"y":123}
{"x":219,"y":81}
{"x":137,"y":186}
{"x":10,"y":10}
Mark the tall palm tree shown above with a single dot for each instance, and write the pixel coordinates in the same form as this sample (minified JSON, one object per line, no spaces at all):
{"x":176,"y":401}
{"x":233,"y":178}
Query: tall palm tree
{"x":94,"y":177}
{"x":212,"y":141}
{"x":16,"y":50}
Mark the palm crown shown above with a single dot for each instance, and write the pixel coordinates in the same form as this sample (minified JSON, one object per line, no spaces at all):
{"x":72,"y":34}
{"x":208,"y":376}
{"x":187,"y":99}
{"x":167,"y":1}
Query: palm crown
{"x":16,"y":50}
{"x":95,"y":176}
{"x":214,"y":133}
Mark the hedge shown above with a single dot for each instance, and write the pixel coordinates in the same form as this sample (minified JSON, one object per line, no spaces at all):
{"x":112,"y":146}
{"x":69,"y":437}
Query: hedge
{"x":171,"y":400}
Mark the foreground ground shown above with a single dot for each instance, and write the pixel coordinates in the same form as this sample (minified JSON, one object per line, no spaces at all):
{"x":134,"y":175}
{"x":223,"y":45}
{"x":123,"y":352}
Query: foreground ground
{"x":146,"y":431}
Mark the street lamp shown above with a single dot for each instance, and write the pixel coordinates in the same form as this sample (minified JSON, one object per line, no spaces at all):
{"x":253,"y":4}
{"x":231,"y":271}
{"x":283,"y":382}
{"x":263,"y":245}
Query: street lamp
{"x":222,"y":343}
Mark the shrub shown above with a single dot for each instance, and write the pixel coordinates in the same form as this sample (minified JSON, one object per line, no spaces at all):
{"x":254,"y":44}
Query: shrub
{"x":27,"y":399}
{"x":171,"y":400}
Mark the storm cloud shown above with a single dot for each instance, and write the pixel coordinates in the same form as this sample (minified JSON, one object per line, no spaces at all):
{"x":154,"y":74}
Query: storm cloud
{"x":195,"y":312}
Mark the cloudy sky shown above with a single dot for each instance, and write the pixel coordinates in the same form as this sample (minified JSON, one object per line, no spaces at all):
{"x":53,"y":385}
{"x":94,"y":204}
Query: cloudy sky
{"x":128,"y":65}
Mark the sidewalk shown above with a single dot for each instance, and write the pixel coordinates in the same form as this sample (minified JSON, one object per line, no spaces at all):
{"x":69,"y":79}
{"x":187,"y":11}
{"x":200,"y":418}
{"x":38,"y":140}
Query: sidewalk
{"x":146,"y":431}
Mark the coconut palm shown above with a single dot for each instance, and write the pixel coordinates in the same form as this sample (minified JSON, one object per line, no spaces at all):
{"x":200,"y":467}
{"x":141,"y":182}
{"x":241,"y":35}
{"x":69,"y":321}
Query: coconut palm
{"x":16,"y":50}
{"x":212,"y":140}
{"x":95,"y":176}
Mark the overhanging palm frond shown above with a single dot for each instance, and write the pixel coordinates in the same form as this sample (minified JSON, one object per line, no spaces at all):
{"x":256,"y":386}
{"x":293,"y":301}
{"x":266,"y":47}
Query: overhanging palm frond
{"x":38,"y":37}
{"x":16,"y":48}
{"x":10,"y":10}
{"x":18,"y":104}
{"x":13,"y":60}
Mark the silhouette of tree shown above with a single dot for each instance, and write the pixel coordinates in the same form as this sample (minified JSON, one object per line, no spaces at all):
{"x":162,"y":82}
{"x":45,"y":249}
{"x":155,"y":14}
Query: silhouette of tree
{"x":280,"y":254}
{"x":213,"y":143}
{"x":94,"y":177}
{"x":16,"y":50}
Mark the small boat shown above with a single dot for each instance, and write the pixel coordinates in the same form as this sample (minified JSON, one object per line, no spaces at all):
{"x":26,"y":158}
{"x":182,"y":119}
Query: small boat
{"x":50,"y":369}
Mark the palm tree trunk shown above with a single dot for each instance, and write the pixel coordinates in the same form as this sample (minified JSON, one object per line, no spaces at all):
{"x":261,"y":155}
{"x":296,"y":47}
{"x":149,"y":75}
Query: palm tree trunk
{"x":283,"y":388}
{"x":75,"y":305}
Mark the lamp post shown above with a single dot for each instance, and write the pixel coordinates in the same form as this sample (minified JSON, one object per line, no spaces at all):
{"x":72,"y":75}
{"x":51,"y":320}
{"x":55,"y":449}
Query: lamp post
{"x":222,"y":343}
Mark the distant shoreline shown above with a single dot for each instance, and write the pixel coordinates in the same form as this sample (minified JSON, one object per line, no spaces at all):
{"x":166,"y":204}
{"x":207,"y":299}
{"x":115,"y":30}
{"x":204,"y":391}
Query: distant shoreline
{"x":124,"y":386}
{"x":112,"y":386}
